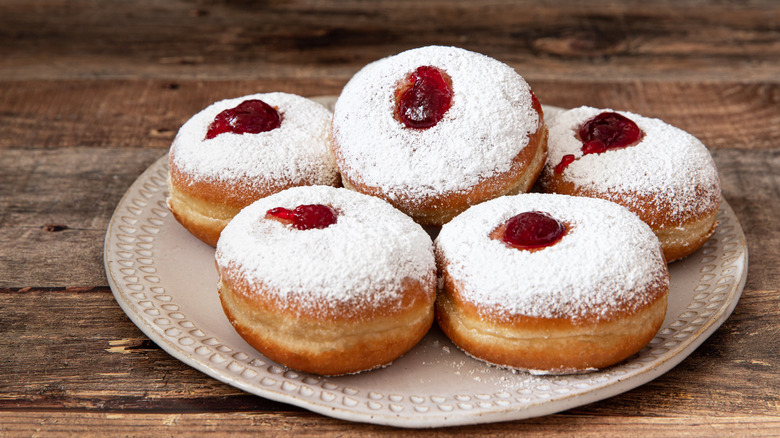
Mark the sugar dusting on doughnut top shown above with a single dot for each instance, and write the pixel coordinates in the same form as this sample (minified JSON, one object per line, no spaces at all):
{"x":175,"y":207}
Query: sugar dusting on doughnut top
{"x":487,"y":125}
{"x":668,"y":164}
{"x":361,"y":260}
{"x":606,"y":261}
{"x":297,"y":152}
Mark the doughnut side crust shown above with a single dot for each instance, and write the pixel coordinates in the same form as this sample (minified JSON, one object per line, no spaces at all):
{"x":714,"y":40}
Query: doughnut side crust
{"x":548,"y":345}
{"x":683,"y":240}
{"x":203,"y":219}
{"x":204,"y":206}
{"x":680,"y":235}
{"x":234,"y":193}
{"x":334,"y":345}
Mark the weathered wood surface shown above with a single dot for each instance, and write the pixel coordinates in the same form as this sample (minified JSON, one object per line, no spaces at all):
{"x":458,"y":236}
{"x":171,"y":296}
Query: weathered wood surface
{"x":147,"y":113}
{"x":285,"y":424}
{"x":331,"y":39}
{"x":92,"y":93}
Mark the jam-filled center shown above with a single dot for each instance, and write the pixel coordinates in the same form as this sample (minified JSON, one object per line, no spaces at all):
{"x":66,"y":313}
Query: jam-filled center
{"x":305,"y":217}
{"x":249,"y":117}
{"x":423,"y":98}
{"x":532,"y":230}
{"x":608,"y":130}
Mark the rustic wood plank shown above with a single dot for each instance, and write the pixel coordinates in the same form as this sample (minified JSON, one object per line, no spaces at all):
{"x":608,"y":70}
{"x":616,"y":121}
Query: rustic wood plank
{"x":97,"y":360}
{"x":148,"y":113}
{"x":276,"y":40}
{"x":55,"y":205}
{"x":68,"y":424}
{"x":94,"y":358}
{"x":751,"y":185}
{"x":117,"y":113}
{"x":91,"y":95}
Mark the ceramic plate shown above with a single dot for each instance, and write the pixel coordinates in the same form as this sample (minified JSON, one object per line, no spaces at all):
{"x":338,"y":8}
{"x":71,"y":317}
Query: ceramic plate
{"x":165,"y":281}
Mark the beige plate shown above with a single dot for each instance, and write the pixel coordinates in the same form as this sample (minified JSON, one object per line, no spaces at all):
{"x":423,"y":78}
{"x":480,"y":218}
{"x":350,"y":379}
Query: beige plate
{"x":164,"y":279}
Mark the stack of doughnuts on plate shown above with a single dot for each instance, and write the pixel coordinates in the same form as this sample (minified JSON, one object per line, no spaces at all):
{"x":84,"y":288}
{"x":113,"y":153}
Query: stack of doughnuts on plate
{"x":335,"y":280}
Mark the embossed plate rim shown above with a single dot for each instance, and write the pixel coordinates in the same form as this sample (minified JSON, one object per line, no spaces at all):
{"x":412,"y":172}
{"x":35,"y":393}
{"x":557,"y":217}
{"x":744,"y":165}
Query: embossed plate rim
{"x":132,"y":247}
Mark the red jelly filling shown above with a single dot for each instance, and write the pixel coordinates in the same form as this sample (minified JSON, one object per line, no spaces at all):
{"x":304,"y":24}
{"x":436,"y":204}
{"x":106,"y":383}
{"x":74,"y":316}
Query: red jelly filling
{"x":533,"y":229}
{"x":250,"y":116}
{"x":565,"y":161}
{"x":608,"y":130}
{"x":424,"y":98}
{"x":305,"y":217}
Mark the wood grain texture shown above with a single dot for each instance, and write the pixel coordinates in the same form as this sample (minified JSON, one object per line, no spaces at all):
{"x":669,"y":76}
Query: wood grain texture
{"x":92,"y":93}
{"x":332,"y":39}
{"x":55,"y":205}
{"x":751,"y":185}
{"x":148,"y":113}
{"x":67,"y":424}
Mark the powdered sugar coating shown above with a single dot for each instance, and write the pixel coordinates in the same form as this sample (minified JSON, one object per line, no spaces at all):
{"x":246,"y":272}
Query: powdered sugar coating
{"x":360,"y":260}
{"x":296,"y":153}
{"x":668,"y":165}
{"x":487,"y":125}
{"x":607,"y":260}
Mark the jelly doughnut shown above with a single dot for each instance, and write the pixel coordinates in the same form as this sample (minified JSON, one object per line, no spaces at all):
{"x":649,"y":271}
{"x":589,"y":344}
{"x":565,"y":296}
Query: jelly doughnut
{"x":239,"y":150}
{"x":550,"y":284}
{"x":661,"y":173}
{"x":436,"y":129}
{"x":327,"y":280}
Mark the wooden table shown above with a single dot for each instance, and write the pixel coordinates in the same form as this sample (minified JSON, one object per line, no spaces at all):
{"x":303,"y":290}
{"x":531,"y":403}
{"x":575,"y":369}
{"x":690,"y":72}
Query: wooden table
{"x":91,"y":94}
